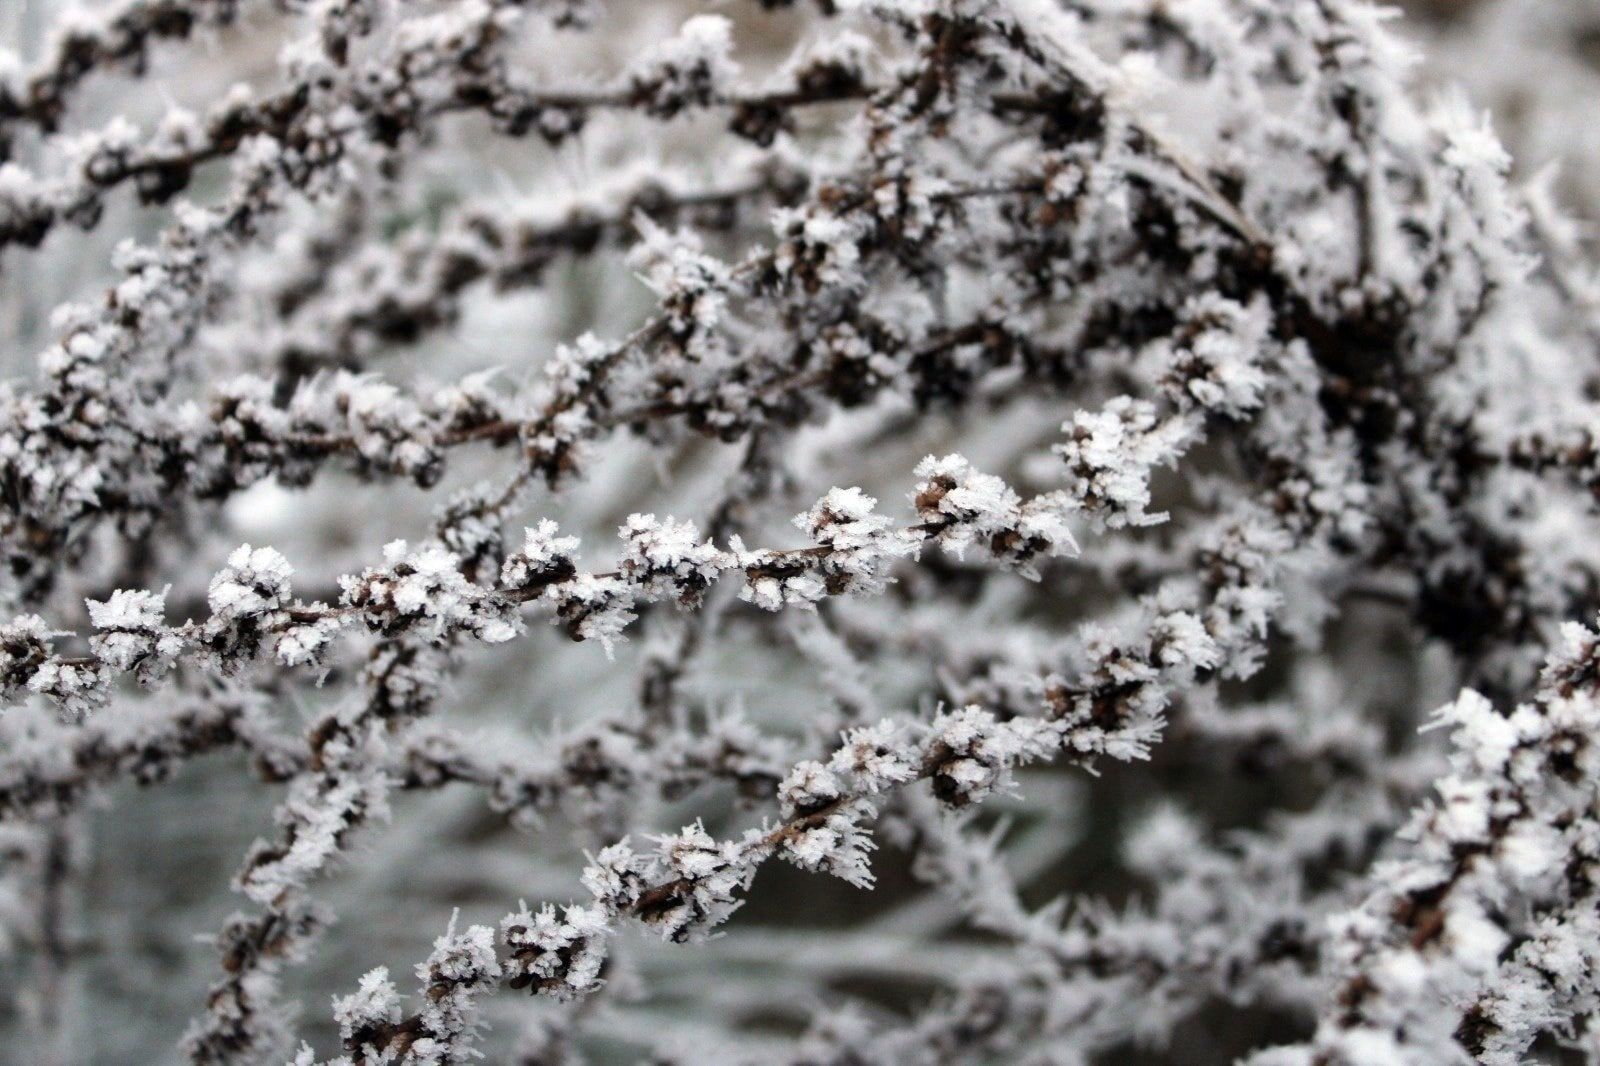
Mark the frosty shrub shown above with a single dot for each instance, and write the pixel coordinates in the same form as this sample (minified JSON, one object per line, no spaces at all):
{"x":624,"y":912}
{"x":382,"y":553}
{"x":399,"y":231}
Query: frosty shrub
{"x":851,"y":532}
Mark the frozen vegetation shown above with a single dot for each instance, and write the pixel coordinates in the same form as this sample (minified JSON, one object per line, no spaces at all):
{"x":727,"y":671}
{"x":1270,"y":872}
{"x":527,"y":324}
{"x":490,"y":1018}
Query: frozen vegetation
{"x":827,"y":532}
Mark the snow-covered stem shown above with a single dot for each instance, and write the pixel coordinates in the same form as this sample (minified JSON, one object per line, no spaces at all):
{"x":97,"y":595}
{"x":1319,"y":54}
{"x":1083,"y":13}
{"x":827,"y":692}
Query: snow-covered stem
{"x":115,"y":38}
{"x":1432,"y":966}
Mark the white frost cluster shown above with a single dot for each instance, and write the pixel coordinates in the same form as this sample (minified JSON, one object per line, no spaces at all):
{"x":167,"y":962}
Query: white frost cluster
{"x":1111,"y":454}
{"x":423,"y":590}
{"x":854,"y":546}
{"x":967,"y":509}
{"x":132,"y":633}
{"x":689,"y":68}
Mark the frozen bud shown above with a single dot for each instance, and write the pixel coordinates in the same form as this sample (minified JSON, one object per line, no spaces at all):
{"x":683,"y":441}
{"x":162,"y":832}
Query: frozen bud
{"x":132,"y":633}
{"x":820,"y":250}
{"x":907,"y":206}
{"x":832,"y":841}
{"x":305,"y":640}
{"x":855,"y":548}
{"x":545,"y":559}
{"x":469,"y":528}
{"x":844,"y":520}
{"x":668,"y":558}
{"x":875,"y":758}
{"x":774,"y":580}
{"x":556,"y":956}
{"x":245,"y":438}
{"x":690,"y":284}
{"x":366,"y":1013}
{"x":594,"y":607}
{"x":391,"y":431}
{"x":573,"y":365}
{"x":1179,"y":641}
{"x":614,"y":877}
{"x":1215,"y":360}
{"x":810,"y":787}
{"x":76,"y":688}
{"x":687,"y":70}
{"x":462,"y":967}
{"x":424,"y":590}
{"x":255,"y":582}
{"x":462,"y":958}
{"x":24,"y":648}
{"x":961,"y":508}
{"x":969,"y":753}
{"x":1111,"y":456}
{"x":702,"y":878}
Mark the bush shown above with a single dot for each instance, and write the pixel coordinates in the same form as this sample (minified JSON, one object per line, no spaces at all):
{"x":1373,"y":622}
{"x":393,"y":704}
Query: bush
{"x":1181,"y":392}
